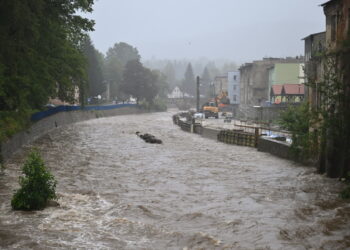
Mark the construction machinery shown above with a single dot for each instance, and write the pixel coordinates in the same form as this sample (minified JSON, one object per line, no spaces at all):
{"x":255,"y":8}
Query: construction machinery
{"x":210,"y":109}
{"x":220,"y":103}
{"x":223,"y":102}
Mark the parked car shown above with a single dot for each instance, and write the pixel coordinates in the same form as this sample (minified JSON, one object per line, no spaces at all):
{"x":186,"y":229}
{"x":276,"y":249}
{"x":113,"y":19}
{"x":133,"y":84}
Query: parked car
{"x":50,"y":106}
{"x":198,"y":115}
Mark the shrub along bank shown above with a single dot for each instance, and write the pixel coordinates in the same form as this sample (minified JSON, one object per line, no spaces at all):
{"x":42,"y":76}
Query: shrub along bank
{"x":37,"y":185}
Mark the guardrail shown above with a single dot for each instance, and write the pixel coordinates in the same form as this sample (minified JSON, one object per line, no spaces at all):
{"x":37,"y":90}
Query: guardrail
{"x":43,"y":114}
{"x":264,"y":129}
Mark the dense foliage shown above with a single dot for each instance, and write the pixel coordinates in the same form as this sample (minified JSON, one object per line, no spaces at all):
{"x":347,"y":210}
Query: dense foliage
{"x":334,"y":156}
{"x":323,"y":132}
{"x":40,"y":55}
{"x":298,"y":120}
{"x":37,"y":185}
{"x":139,"y":81}
{"x":175,"y":70}
{"x":116,"y":59}
{"x":158,"y":104}
{"x":189,"y":83}
{"x":96,"y":85}
{"x":345,"y":193}
{"x":205,"y":83}
{"x":170,"y":74}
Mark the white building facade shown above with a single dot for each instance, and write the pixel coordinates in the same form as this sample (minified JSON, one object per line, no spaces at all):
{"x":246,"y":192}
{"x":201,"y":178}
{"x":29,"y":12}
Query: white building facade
{"x":234,"y":87}
{"x":176,"y":93}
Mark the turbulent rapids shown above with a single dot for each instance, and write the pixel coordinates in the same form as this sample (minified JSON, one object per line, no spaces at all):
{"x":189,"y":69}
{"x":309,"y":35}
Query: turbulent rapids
{"x":118,"y":192}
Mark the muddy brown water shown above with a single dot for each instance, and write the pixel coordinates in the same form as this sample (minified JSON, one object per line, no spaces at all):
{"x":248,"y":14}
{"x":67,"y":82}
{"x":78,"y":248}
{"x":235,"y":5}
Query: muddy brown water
{"x":118,"y":192}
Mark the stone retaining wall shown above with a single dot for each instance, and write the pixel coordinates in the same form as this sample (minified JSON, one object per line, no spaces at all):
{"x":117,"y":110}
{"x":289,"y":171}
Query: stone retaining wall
{"x":43,"y":126}
{"x":210,"y":133}
{"x":277,"y":148}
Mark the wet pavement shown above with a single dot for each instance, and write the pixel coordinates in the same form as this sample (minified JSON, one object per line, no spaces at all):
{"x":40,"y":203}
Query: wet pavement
{"x":118,"y":192}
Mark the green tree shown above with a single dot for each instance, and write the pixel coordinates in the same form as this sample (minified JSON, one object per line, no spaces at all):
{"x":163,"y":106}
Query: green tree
{"x":116,"y":59}
{"x":162,"y":83}
{"x":189,"y":83}
{"x":334,"y":155}
{"x":228,"y":67}
{"x":113,"y":73}
{"x":40,"y":54}
{"x":205,"y":82}
{"x":213,"y":70}
{"x":96,"y":85}
{"x":123,"y":52}
{"x":298,"y":120}
{"x":37,"y":185}
{"x":139,"y":82}
{"x":170,"y":74}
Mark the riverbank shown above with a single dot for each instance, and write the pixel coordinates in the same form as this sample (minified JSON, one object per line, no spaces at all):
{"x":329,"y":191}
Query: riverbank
{"x":43,"y":126}
{"x":237,"y":132}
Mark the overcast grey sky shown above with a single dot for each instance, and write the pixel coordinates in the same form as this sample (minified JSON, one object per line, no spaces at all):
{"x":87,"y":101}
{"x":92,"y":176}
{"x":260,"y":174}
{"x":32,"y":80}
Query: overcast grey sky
{"x":238,"y":30}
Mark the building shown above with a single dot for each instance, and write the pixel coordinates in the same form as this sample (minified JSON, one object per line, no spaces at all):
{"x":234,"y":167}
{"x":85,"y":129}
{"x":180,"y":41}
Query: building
{"x":234,"y":87}
{"x":327,"y":63}
{"x":254,"y":79}
{"x":285,"y":73}
{"x":220,"y":85}
{"x":337,"y":21}
{"x":58,"y":102}
{"x":315,"y":45}
{"x":287,"y":93}
{"x":176,"y":93}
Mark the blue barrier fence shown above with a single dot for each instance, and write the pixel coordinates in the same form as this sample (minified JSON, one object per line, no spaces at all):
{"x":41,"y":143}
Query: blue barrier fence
{"x":41,"y":115}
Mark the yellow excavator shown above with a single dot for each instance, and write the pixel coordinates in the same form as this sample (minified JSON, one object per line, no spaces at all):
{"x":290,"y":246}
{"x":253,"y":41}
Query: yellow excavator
{"x":219,"y":103}
{"x":210,"y":109}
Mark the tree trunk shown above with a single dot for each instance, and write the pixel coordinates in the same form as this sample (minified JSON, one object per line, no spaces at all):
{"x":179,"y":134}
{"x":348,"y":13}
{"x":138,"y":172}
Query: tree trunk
{"x":321,"y":166}
{"x":333,"y":154}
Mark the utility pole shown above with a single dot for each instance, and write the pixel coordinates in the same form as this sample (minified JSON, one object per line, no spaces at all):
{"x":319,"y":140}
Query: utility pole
{"x":198,"y":94}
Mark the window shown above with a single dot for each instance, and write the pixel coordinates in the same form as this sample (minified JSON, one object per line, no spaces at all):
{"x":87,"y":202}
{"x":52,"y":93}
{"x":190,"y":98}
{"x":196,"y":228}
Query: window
{"x":234,"y":87}
{"x":333,"y":27}
{"x":320,"y":47}
{"x":235,"y":78}
{"x":234,"y":98}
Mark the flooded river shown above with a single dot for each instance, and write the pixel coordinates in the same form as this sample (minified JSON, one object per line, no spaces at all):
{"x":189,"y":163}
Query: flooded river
{"x":118,"y":192}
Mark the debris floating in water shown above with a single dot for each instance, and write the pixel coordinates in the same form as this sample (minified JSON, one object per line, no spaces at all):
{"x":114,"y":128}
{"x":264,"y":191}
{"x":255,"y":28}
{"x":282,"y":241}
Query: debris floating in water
{"x":149,"y":138}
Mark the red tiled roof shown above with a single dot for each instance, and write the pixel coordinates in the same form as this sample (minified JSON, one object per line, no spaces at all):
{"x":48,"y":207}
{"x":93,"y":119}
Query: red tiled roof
{"x":276,"y":89}
{"x":293,"y":89}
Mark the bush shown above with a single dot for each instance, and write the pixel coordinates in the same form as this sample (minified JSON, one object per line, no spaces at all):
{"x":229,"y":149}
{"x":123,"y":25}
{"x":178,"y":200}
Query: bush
{"x":345,"y":194}
{"x":156,"y":105}
{"x":13,"y":122}
{"x":183,"y":105}
{"x":297,"y":120}
{"x":159,"y":105}
{"x":37,"y":185}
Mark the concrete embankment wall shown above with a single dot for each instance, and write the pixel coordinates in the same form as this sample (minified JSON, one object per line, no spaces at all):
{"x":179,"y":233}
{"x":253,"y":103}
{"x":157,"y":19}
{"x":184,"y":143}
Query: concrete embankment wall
{"x":277,"y":148}
{"x":264,"y":144}
{"x":197,"y":128}
{"x":210,"y":133}
{"x":43,"y":126}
